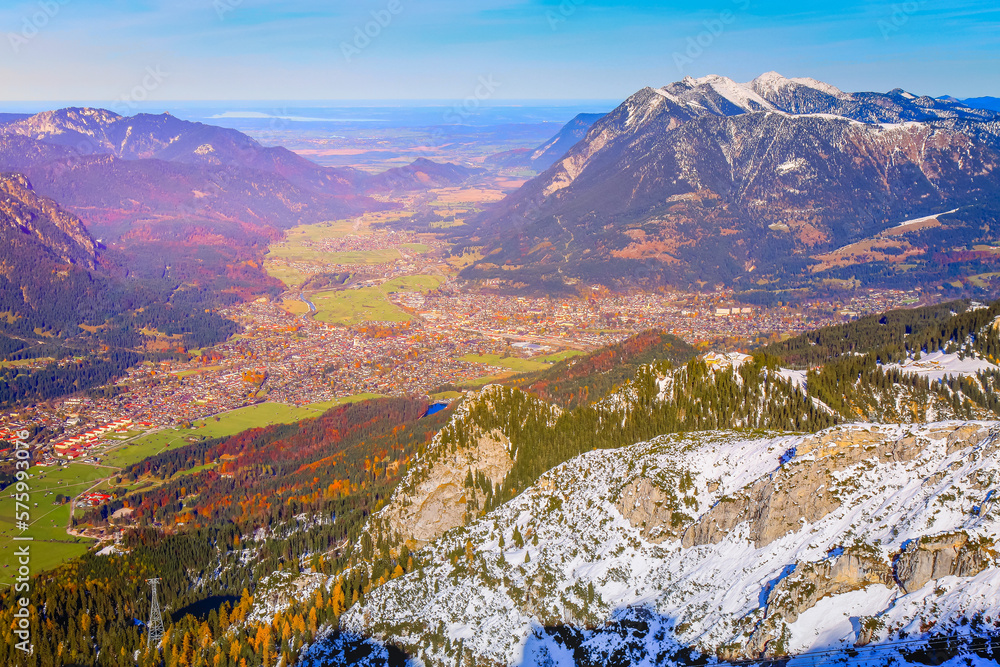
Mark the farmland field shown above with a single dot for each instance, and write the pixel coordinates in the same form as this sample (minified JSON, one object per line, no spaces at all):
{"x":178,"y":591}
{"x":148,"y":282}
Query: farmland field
{"x":411,"y":284}
{"x":516,"y":364}
{"x":51,"y":545}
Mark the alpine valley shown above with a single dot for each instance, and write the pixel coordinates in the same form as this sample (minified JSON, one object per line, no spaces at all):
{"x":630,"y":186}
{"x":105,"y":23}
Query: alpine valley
{"x":710,"y":379}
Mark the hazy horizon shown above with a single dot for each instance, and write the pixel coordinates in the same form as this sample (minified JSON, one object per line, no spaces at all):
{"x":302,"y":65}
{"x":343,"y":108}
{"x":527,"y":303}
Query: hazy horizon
{"x":442,"y":50}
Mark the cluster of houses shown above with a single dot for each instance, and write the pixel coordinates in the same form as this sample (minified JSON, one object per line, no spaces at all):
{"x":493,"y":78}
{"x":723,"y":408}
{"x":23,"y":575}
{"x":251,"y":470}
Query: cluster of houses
{"x":728,"y":312}
{"x":78,"y":445}
{"x":93,"y":499}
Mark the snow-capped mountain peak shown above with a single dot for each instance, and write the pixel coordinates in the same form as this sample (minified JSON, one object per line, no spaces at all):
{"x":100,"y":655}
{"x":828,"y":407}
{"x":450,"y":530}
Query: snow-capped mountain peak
{"x":773,"y":82}
{"x":708,"y":90}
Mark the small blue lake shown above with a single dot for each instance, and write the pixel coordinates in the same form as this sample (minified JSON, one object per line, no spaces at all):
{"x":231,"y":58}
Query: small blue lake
{"x":435,"y":408}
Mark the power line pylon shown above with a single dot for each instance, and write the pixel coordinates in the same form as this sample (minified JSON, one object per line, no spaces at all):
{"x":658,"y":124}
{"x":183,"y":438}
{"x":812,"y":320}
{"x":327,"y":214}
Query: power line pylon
{"x":154,"y":629}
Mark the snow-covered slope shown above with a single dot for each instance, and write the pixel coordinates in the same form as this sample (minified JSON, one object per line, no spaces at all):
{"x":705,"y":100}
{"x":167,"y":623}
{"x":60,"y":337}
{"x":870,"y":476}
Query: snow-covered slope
{"x":893,"y":393}
{"x":939,"y":365}
{"x":725,"y":544}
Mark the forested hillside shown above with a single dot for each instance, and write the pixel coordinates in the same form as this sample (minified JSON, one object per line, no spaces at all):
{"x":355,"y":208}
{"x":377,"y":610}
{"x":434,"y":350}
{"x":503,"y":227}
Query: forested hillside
{"x":282,"y":500}
{"x":587,"y":379}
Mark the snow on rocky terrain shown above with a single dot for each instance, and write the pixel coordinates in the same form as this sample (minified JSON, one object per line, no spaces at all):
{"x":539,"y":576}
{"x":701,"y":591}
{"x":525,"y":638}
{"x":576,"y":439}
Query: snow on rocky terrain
{"x":938,"y":365}
{"x":727,"y":544}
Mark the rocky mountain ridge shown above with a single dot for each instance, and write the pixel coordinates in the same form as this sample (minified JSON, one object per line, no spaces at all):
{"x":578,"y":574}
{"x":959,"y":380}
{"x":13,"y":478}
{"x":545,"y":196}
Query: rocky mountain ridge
{"x":906,"y":545}
{"x":36,"y":229}
{"x":542,"y":157}
{"x":709,"y":180}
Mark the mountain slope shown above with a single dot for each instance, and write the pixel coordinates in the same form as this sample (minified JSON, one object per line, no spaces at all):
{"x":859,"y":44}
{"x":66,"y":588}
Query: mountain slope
{"x":988,"y":103}
{"x":708,"y":180}
{"x":651,"y":538}
{"x":36,"y":229}
{"x":195,"y":164}
{"x":731,"y":544}
{"x":541,"y":158}
{"x":164,"y":137}
{"x":421,"y":174}
{"x":47,"y":269}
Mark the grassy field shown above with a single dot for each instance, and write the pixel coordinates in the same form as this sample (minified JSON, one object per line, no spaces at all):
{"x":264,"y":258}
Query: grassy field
{"x":354,"y":306}
{"x":446,"y":224}
{"x":286,"y":274}
{"x":229,"y":423}
{"x":298,"y":247}
{"x":487,"y":379}
{"x":332,"y":229}
{"x":141,"y":448}
{"x":516,"y":364}
{"x":326,"y":405}
{"x":982,"y":280}
{"x":298,"y":253}
{"x":295,"y":306}
{"x":51,"y":545}
{"x":559,"y":356}
{"x":419,"y":283}
{"x":446,"y":395}
{"x":370,"y":304}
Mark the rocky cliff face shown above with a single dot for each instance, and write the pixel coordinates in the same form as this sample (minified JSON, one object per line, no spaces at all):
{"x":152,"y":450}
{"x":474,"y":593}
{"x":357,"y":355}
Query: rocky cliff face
{"x":856,"y":534}
{"x":935,"y":557}
{"x":448,"y":486}
{"x":35,"y":229}
{"x":431,"y":505}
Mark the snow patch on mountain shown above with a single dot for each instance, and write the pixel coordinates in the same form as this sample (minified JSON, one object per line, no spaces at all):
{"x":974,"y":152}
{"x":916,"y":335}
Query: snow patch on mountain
{"x":914,"y":221}
{"x":792,"y":165}
{"x":772,"y":82}
{"x":583,"y":562}
{"x":739,"y":94}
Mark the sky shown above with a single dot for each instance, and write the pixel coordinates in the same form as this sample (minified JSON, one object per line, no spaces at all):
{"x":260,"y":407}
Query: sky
{"x":494,"y":50}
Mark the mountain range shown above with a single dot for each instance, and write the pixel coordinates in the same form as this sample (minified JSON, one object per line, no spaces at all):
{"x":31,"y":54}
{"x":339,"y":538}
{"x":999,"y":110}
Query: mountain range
{"x":173,"y":200}
{"x":772,"y":182}
{"x":117,"y":170}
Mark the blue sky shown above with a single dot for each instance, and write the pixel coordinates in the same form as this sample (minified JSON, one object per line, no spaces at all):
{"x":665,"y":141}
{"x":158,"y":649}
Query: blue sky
{"x":64,"y":50}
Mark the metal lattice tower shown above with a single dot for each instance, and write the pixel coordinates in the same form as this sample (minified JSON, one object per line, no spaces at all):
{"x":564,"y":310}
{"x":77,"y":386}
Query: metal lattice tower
{"x":154,"y":629}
